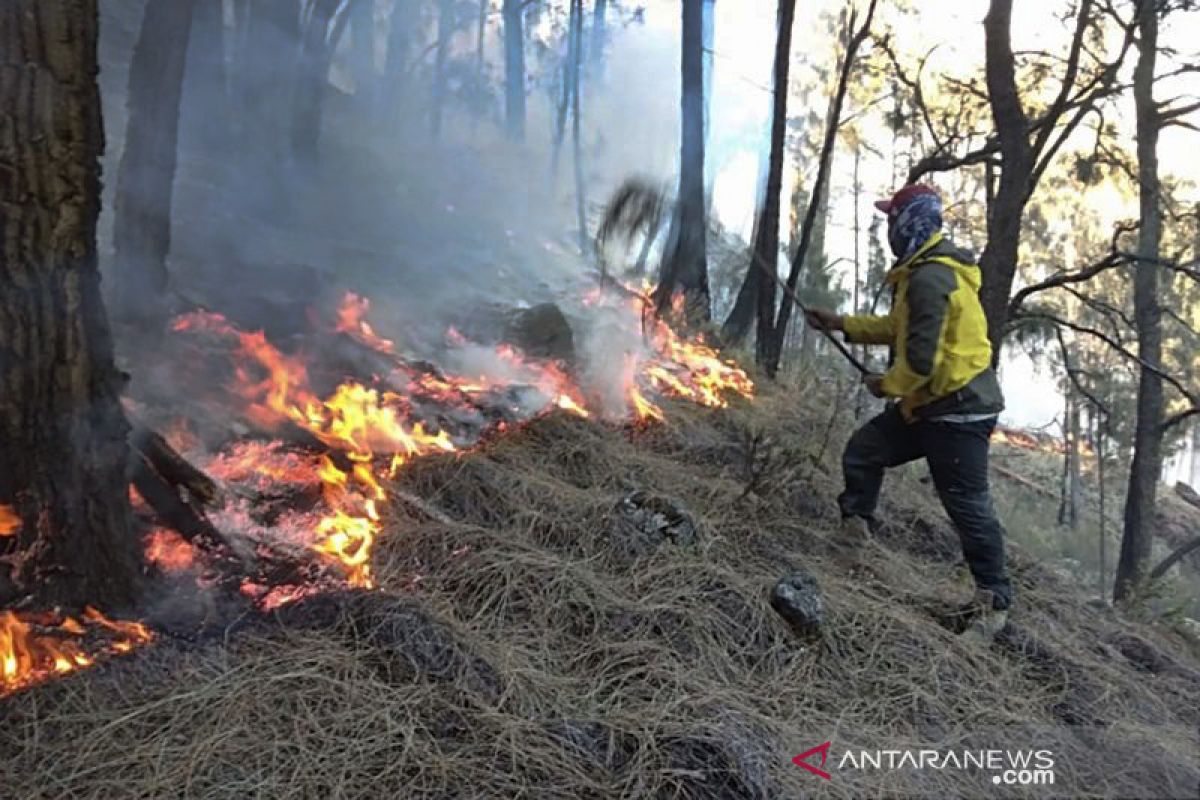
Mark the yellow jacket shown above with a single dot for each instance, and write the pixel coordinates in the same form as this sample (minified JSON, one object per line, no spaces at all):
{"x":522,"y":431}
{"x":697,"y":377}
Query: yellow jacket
{"x":941,"y":354}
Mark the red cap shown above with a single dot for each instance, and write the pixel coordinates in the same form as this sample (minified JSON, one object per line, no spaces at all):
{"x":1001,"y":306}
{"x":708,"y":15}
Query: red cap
{"x":903,"y":197}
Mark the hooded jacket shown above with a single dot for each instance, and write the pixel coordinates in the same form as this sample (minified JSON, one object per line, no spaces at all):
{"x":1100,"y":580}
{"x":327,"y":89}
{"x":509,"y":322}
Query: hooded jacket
{"x":942,"y":357}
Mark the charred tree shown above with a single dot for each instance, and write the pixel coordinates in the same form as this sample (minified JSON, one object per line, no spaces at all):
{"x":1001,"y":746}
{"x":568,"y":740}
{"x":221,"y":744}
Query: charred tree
{"x":1140,"y":499}
{"x":757,"y":295}
{"x":142,"y":225}
{"x":63,"y":449}
{"x":685,"y":267}
{"x":514,"y":68}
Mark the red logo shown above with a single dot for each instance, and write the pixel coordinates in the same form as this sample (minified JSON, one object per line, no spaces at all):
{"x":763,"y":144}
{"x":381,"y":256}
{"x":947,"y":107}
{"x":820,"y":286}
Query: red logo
{"x":800,"y":760}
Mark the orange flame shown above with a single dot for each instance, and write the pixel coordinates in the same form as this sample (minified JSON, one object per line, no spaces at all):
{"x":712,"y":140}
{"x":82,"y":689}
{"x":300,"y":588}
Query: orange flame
{"x":10,"y":523}
{"x":34,"y":647}
{"x":169,"y":551}
{"x":352,"y":322}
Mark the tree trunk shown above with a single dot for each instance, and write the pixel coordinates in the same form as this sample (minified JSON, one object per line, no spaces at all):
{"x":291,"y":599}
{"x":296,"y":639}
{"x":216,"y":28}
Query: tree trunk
{"x":445,"y":29}
{"x":999,"y":259}
{"x":395,"y":68}
{"x":577,"y":123}
{"x":1068,"y":506}
{"x":142,"y":225}
{"x":514,"y":69}
{"x":204,"y":104}
{"x":1101,"y":423}
{"x":362,"y":52}
{"x":758,"y":291}
{"x":686,"y":267}
{"x":312,"y":82}
{"x":1138,"y":533}
{"x":599,"y":37}
{"x":63,"y":450}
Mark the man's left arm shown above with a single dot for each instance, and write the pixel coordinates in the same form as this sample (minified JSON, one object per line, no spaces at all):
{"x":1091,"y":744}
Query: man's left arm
{"x":929,"y":290}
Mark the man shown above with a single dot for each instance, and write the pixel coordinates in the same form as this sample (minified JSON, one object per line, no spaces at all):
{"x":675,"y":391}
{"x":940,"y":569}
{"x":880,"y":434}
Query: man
{"x":945,"y":392}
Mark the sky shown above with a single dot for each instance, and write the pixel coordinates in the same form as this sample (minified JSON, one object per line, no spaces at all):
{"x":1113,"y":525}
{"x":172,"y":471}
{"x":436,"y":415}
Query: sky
{"x":744,"y":43}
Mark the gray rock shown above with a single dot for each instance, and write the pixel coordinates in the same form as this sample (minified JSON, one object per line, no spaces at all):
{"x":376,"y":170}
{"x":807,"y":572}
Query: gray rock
{"x":798,"y":599}
{"x":642,"y":521}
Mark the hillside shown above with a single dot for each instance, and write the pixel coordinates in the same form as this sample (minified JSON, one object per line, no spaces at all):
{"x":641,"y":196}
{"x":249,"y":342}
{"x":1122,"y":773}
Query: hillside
{"x":533,"y":639}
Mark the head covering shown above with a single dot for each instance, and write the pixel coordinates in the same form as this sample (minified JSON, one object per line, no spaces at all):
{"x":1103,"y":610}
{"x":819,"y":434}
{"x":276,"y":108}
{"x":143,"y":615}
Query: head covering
{"x":914,"y":215}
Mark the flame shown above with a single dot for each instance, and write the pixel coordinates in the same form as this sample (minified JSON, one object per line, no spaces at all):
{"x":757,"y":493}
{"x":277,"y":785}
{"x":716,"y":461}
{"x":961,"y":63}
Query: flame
{"x":374,"y":429}
{"x":169,"y":551}
{"x":10,"y":523}
{"x":352,"y":322}
{"x":34,"y":647}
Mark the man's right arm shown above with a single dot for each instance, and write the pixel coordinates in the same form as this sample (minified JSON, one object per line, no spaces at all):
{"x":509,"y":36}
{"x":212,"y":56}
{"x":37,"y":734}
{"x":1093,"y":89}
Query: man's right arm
{"x":868,"y":329}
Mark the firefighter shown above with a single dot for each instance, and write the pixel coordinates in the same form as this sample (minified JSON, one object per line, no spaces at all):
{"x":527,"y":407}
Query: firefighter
{"x":944,"y":396}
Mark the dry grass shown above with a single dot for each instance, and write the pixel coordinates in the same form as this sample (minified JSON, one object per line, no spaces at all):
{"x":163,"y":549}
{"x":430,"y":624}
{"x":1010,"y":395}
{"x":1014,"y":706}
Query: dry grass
{"x":533,"y":656}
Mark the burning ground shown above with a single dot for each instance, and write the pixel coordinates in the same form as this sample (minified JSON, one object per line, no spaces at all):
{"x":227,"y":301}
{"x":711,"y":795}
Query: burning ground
{"x":569,"y":606}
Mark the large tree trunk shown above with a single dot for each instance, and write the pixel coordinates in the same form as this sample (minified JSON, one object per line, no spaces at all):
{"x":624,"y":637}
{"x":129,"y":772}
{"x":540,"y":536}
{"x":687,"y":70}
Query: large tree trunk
{"x":142,"y":226}
{"x":514,"y":68}
{"x":999,"y":259}
{"x":1140,"y":499}
{"x":63,"y":448}
{"x":758,"y":290}
{"x":686,"y":267}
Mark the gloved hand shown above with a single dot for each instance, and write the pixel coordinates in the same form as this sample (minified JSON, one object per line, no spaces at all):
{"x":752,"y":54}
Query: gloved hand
{"x":823,"y":320}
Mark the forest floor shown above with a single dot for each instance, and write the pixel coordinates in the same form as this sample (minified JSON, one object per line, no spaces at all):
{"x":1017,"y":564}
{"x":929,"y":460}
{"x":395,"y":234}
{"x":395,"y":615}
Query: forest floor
{"x":525,"y":646}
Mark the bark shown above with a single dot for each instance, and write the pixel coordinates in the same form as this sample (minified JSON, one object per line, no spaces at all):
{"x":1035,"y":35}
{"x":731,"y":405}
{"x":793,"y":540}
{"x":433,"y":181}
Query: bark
{"x":514,"y":69}
{"x":758,"y":291}
{"x":999,"y":259}
{"x":142,"y":225}
{"x":685,"y":268}
{"x":1138,"y":534}
{"x":63,"y":449}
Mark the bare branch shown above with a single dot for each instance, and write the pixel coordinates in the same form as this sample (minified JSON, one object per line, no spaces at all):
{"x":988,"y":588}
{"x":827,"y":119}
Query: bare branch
{"x":1112,"y":260}
{"x":1116,"y":346}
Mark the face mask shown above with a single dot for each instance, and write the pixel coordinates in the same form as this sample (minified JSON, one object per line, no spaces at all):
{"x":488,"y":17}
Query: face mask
{"x":912,"y":225}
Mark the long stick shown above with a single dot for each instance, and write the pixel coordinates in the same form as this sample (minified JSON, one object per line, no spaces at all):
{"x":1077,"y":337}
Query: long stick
{"x":789,"y":294}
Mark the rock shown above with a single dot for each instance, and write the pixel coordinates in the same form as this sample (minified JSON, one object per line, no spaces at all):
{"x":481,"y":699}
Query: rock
{"x":642,"y":521}
{"x":798,"y":599}
{"x":541,"y":332}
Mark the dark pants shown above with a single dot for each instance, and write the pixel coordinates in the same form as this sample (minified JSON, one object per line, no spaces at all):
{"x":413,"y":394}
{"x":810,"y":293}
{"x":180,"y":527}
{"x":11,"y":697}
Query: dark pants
{"x":957,"y":453}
